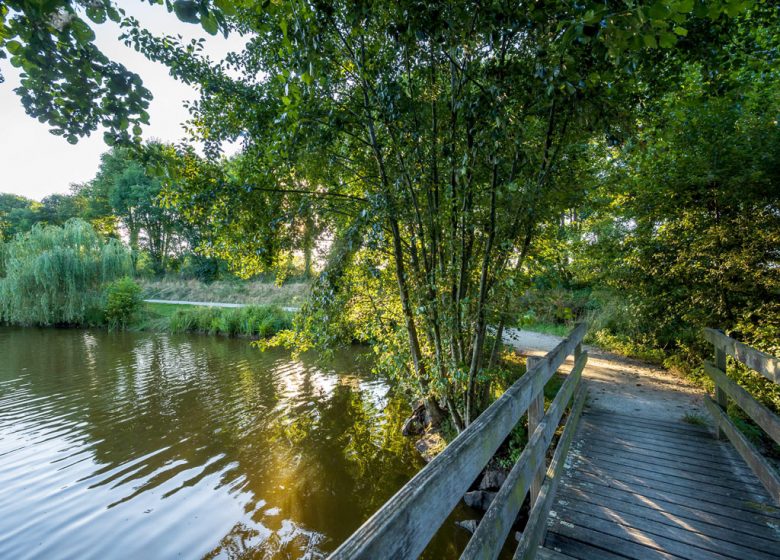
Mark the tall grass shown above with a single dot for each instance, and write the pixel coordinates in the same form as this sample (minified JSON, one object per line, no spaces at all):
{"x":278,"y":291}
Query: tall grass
{"x":252,"y":321}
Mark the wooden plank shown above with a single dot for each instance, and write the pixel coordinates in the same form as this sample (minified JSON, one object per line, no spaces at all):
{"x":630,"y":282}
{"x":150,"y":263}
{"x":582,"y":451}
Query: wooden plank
{"x":670,"y":514}
{"x":709,"y":447}
{"x":681,"y":533}
{"x":651,"y":541}
{"x":721,"y":398}
{"x":675,"y":433}
{"x":405,"y":524}
{"x":535,"y":414}
{"x":619,"y":545}
{"x":679,"y":484}
{"x":578,"y":549}
{"x":713,"y":464}
{"x":764,"y":471}
{"x":762,"y":416}
{"x":608,"y":419}
{"x":685,"y":493}
{"x":550,"y":554}
{"x":766,"y":365}
{"x":533,"y":534}
{"x":671,"y":472}
{"x":751,"y":522}
{"x":489,"y":537}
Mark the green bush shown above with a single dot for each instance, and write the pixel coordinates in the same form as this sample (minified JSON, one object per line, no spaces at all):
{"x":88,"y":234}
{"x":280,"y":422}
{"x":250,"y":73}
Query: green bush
{"x":123,"y":301}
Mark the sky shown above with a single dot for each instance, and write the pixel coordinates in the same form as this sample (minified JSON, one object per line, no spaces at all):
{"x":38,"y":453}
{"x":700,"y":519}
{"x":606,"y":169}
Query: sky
{"x":35,"y":163}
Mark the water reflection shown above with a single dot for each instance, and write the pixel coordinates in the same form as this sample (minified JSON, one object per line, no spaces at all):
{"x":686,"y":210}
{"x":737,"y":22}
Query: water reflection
{"x":139,"y":445}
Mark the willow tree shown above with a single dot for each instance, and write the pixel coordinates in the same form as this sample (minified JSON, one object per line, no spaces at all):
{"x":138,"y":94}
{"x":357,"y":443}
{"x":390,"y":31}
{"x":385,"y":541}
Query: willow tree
{"x":56,"y":275}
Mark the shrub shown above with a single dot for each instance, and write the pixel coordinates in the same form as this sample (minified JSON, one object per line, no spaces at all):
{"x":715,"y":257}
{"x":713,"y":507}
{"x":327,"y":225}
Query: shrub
{"x":123,"y":301}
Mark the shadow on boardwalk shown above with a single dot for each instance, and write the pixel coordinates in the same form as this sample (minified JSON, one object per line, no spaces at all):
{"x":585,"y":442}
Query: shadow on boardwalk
{"x":642,"y":484}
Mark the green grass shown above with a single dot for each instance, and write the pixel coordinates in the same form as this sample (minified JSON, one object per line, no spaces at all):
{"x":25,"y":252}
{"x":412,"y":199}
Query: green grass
{"x":555,"y":329}
{"x":694,"y":419}
{"x":253,"y":321}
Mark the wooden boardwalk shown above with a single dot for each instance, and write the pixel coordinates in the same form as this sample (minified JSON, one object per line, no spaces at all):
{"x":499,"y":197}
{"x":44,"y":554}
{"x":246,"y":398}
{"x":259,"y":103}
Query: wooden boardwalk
{"x":648,"y":489}
{"x":627,"y":478}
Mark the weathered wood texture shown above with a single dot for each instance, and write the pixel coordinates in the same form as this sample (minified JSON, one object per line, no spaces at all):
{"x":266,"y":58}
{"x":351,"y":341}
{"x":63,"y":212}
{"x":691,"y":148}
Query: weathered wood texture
{"x":488,"y":539}
{"x":644,"y":489}
{"x":725,"y":387}
{"x":535,"y":528}
{"x":761,"y":466}
{"x":766,"y":365}
{"x":405,"y":524}
{"x":760,"y":414}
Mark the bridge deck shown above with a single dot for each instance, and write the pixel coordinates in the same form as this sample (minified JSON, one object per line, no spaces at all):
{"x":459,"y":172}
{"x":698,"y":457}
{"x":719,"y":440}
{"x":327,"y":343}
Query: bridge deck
{"x":645,"y":489}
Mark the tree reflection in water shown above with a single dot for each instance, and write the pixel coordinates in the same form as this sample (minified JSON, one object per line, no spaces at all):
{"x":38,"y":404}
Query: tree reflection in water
{"x":142,"y":444}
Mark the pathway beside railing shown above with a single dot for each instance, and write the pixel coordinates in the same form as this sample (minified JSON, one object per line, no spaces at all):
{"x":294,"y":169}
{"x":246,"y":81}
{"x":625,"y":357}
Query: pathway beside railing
{"x":632,"y":486}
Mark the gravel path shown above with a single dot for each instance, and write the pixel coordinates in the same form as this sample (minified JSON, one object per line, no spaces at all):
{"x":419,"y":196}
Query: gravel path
{"x":622,"y":385}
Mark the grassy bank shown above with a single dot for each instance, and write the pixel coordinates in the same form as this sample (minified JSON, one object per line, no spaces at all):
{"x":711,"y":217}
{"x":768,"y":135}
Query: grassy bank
{"x":255,"y":321}
{"x":250,"y":292}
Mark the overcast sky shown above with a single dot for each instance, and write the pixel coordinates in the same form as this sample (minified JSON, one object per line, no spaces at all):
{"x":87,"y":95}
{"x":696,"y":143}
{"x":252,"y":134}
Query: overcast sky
{"x":35,"y":163}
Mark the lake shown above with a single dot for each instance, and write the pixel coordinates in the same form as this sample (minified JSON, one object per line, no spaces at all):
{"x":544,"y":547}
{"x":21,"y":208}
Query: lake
{"x":145,"y":445}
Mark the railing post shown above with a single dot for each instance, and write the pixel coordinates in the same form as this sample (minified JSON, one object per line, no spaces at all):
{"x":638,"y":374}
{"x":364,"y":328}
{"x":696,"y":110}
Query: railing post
{"x":721,"y":398}
{"x":535,"y":415}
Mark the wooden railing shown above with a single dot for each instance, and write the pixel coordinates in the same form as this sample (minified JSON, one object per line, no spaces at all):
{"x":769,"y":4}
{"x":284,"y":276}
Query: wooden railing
{"x":726,"y":388}
{"x":407,"y":522}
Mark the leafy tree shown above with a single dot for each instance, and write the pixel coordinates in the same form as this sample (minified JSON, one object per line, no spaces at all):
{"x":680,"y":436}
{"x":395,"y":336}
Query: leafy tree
{"x":133,"y":194}
{"x":17,"y":214}
{"x":55,"y":275}
{"x":435,"y":140}
{"x":443,"y":135}
{"x":56,"y":209}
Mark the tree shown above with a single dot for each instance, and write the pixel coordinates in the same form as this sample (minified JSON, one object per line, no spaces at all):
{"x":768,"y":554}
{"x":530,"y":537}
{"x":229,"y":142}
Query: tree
{"x":55,"y":275}
{"x":438,"y":140}
{"x":134,"y":195}
{"x":690,"y":223}
{"x":17,"y":214}
{"x":442,"y":134}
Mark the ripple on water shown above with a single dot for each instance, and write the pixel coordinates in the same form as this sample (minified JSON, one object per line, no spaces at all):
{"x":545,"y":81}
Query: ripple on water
{"x":143,"y":445}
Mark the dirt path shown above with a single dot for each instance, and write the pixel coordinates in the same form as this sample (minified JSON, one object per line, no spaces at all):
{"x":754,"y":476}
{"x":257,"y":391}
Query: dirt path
{"x":622,"y":385}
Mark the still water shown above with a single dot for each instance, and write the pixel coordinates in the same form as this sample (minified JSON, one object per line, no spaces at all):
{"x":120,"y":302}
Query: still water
{"x":138,"y":445}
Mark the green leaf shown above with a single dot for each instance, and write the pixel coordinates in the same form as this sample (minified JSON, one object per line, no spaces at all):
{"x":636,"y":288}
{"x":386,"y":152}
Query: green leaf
{"x":681,"y":31}
{"x":209,"y":24}
{"x":96,"y":14}
{"x":13,"y":46}
{"x":186,"y":10}
{"x":82,"y":32}
{"x":685,"y":6}
{"x":649,"y":40}
{"x":226,"y":6}
{"x":667,"y":40}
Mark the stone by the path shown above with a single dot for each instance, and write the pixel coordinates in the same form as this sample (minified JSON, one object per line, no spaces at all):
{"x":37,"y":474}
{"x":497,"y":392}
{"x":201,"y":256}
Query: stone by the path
{"x":479,"y":499}
{"x":469,"y":524}
{"x":492,"y":479}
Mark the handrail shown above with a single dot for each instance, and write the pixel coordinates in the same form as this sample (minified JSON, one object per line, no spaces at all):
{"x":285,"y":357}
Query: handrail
{"x":406,"y":523}
{"x":726,"y":388}
{"x":489,"y":537}
{"x":763,"y":363}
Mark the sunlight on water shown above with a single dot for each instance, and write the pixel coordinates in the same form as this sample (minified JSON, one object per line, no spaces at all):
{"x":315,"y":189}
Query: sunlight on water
{"x":156,"y":446}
